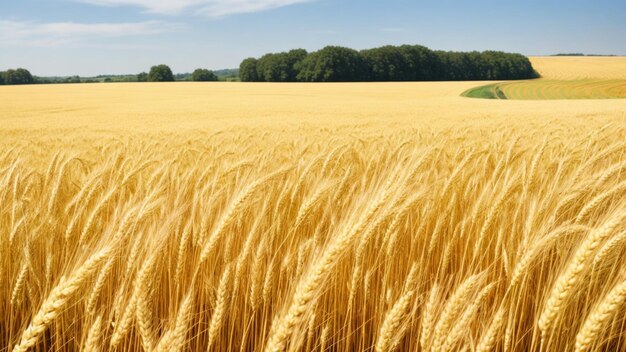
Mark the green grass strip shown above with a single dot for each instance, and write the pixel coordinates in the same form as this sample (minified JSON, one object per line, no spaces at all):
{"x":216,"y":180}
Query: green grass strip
{"x":490,"y":91}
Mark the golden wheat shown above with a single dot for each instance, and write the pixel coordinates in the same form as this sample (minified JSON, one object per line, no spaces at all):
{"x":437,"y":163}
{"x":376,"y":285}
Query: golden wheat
{"x":609,"y":306}
{"x":359,"y":218}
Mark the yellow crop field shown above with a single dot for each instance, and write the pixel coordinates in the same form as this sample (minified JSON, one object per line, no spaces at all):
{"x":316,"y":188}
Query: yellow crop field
{"x":575,"y":89}
{"x":564,"y":78}
{"x":309,"y":217}
{"x":580,"y":67}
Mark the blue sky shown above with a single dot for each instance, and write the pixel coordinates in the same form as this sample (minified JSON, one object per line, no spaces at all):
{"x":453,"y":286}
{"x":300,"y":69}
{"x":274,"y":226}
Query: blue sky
{"x":89,"y":37}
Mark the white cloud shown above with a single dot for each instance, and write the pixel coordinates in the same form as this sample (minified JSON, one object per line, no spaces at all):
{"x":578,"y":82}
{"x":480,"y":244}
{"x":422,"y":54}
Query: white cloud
{"x":211,"y":8}
{"x":218,"y":8}
{"x":157,"y":6}
{"x":28,"y":33}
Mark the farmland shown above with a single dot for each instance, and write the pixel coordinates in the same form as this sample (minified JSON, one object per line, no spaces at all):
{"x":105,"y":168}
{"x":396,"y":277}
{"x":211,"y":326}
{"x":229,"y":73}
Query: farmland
{"x":564,"y":78}
{"x":576,"y":67}
{"x":351,"y":216}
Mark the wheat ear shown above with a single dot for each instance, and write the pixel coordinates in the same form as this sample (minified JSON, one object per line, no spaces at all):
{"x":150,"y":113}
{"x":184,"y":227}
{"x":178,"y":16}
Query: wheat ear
{"x":452,"y":309}
{"x":57,"y":299}
{"x":97,"y":288}
{"x":309,"y":285}
{"x":234,"y":208}
{"x":392,"y":324}
{"x":174,"y":339}
{"x":610,"y":247}
{"x":122,"y":326}
{"x":180,"y":255}
{"x":461,"y":325}
{"x":488,"y":340}
{"x":217,"y":319}
{"x":600,"y":317}
{"x":572,"y":275}
{"x":94,"y":336}
{"x":143,"y":309}
{"x":428,"y":317}
{"x":598,"y":200}
{"x":19,"y":284}
{"x":546,"y":243}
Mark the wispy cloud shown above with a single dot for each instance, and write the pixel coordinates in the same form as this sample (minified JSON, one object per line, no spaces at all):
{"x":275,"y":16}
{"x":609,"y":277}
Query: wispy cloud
{"x":28,"y":33}
{"x":211,"y":8}
{"x":168,"y":7}
{"x":218,"y":8}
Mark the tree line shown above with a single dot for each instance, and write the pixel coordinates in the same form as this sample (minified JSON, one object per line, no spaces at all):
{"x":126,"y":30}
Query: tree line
{"x":157,"y":73}
{"x":163,"y":73}
{"x":387,"y":63}
{"x":16,"y":76}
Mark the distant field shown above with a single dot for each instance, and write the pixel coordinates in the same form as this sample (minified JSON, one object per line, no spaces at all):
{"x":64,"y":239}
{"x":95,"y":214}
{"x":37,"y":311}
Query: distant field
{"x":563,"y":78}
{"x":545,"y":89}
{"x":576,"y":89}
{"x":580,"y":67}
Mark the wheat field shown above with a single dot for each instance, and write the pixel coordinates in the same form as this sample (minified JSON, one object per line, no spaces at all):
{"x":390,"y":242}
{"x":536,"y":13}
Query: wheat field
{"x":563,"y":78}
{"x":580,"y":67}
{"x":243,"y":217}
{"x":576,"y":89}
{"x":546,"y":89}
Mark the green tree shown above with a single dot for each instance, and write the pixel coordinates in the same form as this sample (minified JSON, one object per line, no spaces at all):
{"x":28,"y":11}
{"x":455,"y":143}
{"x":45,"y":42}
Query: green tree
{"x":18,"y":76}
{"x":73,"y":79}
{"x":142,"y":77}
{"x":203,"y":75}
{"x":280,"y":67}
{"x":1,"y":78}
{"x":267,"y":67}
{"x":334,"y":64}
{"x":293,"y":63}
{"x":160,"y":73}
{"x":422,"y":62}
{"x":388,"y":63}
{"x":248,"y":70}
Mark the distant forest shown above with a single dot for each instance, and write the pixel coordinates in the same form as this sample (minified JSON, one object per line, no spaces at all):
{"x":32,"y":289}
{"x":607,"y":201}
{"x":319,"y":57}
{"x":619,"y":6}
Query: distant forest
{"x":159,"y":73}
{"x":387,"y":63}
{"x":330,"y":64}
